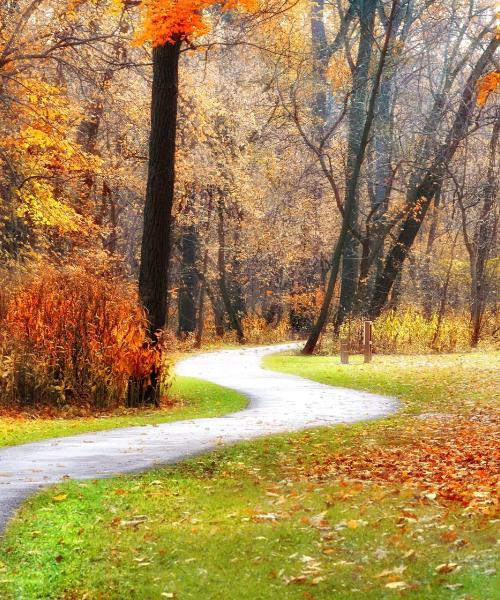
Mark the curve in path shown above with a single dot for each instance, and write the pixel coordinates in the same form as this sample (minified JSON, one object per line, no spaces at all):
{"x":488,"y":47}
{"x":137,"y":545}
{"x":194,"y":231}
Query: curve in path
{"x":277,"y":403}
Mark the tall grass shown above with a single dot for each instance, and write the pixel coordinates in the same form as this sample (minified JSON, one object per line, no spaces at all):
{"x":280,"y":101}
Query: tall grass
{"x":72,"y":336}
{"x":408,"y":331}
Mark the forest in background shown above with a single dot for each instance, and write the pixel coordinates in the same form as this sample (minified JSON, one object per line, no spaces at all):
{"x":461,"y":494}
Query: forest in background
{"x":335,"y":161}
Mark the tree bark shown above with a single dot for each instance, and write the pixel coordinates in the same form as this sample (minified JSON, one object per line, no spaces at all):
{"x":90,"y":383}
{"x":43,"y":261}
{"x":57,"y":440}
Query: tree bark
{"x":157,"y":228}
{"x":350,"y":198}
{"x":234,"y":317}
{"x":483,"y":242}
{"x":357,"y":118}
{"x":188,"y":289}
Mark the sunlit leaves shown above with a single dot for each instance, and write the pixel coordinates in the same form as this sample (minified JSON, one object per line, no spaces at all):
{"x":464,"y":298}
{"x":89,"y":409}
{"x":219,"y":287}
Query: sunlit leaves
{"x":167,"y":21}
{"x":487,"y":85}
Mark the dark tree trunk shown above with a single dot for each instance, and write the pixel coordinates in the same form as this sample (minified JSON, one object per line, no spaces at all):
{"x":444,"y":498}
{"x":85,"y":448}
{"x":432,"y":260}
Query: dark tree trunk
{"x":357,"y":118}
{"x":350,"y":199}
{"x":157,"y":228}
{"x":188,"y":289}
{"x":203,"y":280}
{"x":484,"y":241}
{"x":429,"y":288}
{"x":200,"y":324}
{"x":156,"y":238}
{"x":218,"y":311}
{"x":444,"y":297}
{"x":320,"y":55}
{"x":236,"y":288}
{"x":233,"y":315}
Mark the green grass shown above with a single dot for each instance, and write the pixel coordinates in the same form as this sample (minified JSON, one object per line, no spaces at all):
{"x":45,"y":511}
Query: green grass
{"x":194,"y":399}
{"x":247,"y":523}
{"x":425,"y":382}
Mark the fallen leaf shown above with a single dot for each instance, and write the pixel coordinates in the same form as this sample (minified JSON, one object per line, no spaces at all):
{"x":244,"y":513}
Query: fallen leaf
{"x":446,"y":567}
{"x":396,"y":585}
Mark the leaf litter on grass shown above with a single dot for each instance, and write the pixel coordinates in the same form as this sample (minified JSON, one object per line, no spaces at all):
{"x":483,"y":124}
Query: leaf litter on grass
{"x":456,"y":461}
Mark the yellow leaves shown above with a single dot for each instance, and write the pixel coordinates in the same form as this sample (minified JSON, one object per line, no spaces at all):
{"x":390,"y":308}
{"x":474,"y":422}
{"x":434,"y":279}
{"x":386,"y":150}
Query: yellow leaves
{"x":396,"y":585}
{"x":353,"y":524}
{"x":46,"y":102}
{"x":39,"y":147}
{"x":487,"y":85}
{"x":42,"y":208}
{"x":60,"y":498}
{"x":391,"y":572}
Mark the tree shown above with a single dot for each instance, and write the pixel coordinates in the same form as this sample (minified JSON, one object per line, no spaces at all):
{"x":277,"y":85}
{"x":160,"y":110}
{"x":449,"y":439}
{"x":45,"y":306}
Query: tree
{"x":424,"y":186}
{"x":350,"y":198}
{"x":167,"y":25}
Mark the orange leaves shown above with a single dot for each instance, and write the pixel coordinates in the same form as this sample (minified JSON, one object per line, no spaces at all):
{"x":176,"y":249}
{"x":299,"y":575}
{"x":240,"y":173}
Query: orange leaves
{"x":75,"y":336}
{"x":487,"y":85}
{"x":456,"y":460}
{"x":168,"y":21}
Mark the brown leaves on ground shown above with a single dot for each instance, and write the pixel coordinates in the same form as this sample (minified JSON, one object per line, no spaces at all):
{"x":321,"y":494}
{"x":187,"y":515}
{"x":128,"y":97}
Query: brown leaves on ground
{"x":456,"y":459}
{"x":48,"y":412}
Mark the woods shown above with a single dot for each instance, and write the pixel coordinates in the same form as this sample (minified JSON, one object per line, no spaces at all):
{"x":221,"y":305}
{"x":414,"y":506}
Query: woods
{"x":257,"y":170}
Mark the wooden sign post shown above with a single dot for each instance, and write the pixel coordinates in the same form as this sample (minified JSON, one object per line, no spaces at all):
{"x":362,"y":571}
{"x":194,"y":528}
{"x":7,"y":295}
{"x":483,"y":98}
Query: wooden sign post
{"x":367,"y":340}
{"x":344,"y":352}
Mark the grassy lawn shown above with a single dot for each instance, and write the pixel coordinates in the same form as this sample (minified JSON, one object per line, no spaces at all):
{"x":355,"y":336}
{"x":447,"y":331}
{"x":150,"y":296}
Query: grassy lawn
{"x":192,"y":398}
{"x":426,"y":383}
{"x":267,"y":519}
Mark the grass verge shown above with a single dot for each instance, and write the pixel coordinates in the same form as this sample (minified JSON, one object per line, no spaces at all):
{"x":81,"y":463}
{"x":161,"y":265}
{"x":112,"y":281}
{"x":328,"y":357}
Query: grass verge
{"x":271,"y":519}
{"x":191,"y":398}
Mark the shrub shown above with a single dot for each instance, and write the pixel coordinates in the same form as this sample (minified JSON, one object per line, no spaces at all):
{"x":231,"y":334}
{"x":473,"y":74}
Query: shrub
{"x":408,"y":331}
{"x":73,"y":336}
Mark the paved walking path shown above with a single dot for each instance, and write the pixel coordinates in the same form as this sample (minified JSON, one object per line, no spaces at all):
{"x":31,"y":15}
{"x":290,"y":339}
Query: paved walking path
{"x":277,"y":403}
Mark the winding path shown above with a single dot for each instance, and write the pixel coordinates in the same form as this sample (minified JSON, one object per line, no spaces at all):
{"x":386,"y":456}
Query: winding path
{"x":277,"y":403}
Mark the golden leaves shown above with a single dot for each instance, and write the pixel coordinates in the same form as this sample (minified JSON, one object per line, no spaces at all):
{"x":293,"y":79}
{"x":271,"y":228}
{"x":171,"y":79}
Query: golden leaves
{"x":60,"y":497}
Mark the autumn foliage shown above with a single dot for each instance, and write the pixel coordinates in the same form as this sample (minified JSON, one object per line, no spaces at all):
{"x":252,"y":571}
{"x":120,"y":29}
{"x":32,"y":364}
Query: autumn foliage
{"x":167,"y":21}
{"x":73,"y":336}
{"x":450,"y":459}
{"x":487,"y":85}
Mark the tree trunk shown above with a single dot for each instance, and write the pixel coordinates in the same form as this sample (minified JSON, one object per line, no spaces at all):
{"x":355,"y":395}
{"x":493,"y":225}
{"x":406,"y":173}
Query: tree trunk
{"x":217,"y":309}
{"x":157,"y":227}
{"x":234,"y":318}
{"x":350,"y":199}
{"x":156,"y":239}
{"x":428,"y":281}
{"x":444,"y":297}
{"x":357,"y":118}
{"x":201,"y":303}
{"x":188,"y":289}
{"x":87,"y":136}
{"x":322,"y":93}
{"x":483,"y":242}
